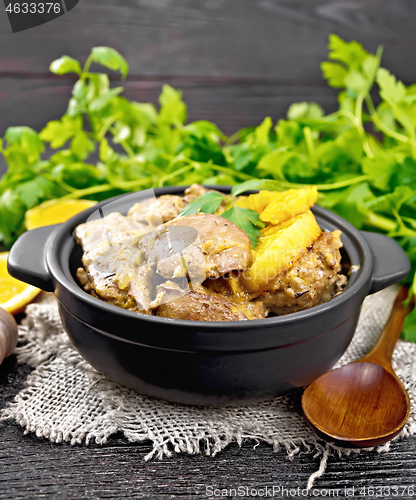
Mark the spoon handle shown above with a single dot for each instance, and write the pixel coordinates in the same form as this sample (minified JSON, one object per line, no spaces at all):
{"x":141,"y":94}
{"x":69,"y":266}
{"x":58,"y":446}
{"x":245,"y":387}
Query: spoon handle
{"x":382,"y":352}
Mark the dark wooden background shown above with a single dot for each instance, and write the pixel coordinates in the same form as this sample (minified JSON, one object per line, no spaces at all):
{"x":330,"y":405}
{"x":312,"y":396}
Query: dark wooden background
{"x":236,"y":61}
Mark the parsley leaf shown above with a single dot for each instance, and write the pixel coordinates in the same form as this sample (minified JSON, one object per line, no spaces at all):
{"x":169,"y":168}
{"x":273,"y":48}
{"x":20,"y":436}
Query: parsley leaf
{"x":207,"y":203}
{"x":173,"y":109}
{"x":57,"y":132}
{"x":246,"y":219}
{"x":110,"y":58}
{"x":380,"y":169}
{"x":24,"y":140}
{"x":81,"y":145}
{"x":246,"y":186}
{"x":64,"y":65}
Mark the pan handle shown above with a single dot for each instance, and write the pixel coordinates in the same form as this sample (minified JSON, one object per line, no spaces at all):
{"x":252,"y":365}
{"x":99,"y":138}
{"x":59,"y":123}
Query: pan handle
{"x":27,"y":258}
{"x":391,"y":264}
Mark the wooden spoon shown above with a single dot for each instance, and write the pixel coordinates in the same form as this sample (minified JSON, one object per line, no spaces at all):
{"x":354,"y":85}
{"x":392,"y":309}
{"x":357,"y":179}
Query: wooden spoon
{"x":362,"y":403}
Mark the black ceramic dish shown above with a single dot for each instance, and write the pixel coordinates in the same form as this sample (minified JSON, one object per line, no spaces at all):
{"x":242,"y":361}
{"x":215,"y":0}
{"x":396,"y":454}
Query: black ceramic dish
{"x":197,"y":362}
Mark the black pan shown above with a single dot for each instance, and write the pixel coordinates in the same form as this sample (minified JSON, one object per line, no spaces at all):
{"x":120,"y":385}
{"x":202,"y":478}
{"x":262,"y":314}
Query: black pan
{"x":198,"y":362}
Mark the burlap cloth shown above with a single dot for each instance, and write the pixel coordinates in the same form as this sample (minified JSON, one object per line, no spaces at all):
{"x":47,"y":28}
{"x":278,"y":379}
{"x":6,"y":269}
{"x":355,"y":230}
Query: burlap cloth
{"x":65,"y":400}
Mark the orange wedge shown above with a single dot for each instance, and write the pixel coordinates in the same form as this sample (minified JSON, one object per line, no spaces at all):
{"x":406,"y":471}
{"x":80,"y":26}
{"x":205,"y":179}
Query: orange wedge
{"x":14,"y":294}
{"x":278,"y":207}
{"x":288,"y":204}
{"x":54,"y":212}
{"x":278,"y":248}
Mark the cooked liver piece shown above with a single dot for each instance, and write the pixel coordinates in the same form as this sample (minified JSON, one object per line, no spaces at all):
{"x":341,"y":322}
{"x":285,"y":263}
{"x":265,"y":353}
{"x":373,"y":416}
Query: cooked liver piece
{"x":221,"y":247}
{"x":112,"y":271}
{"x":203,"y":305}
{"x":225,"y":246}
{"x":194,"y":191}
{"x":155,"y":211}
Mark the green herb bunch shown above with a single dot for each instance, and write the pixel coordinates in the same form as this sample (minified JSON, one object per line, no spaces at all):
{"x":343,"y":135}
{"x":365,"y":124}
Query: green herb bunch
{"x":362,"y":157}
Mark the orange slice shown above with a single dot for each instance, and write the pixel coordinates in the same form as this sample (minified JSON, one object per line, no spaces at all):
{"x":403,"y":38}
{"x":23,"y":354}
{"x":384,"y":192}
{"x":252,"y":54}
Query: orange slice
{"x":289,"y":204}
{"x":14,"y":294}
{"x":54,"y":212}
{"x":279,"y":247}
{"x":279,"y":206}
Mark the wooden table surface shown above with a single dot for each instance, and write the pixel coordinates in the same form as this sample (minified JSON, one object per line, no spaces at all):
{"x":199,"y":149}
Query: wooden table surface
{"x":33,"y":468}
{"x":236,"y":61}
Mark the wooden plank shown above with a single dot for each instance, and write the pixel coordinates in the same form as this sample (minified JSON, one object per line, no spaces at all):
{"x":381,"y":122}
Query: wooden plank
{"x":231,"y":105}
{"x":35,"y":468}
{"x":267,"y":39}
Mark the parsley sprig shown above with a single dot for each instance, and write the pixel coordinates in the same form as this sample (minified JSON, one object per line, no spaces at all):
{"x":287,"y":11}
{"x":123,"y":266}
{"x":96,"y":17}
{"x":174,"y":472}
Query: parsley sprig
{"x":246,"y":219}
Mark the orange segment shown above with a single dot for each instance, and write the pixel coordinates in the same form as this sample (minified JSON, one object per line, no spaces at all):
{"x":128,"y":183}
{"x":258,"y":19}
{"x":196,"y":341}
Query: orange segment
{"x":279,"y":247}
{"x":288,"y":204}
{"x":54,"y":212}
{"x":257,"y":202}
{"x":14,"y":294}
{"x":277,"y":207}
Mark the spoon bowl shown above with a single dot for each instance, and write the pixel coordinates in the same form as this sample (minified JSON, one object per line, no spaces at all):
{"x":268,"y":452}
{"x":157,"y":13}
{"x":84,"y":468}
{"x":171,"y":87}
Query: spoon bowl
{"x":363,"y":403}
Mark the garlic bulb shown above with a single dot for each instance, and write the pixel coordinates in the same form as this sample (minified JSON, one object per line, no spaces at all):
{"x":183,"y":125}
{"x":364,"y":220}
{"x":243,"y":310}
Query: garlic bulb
{"x":8,"y":334}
